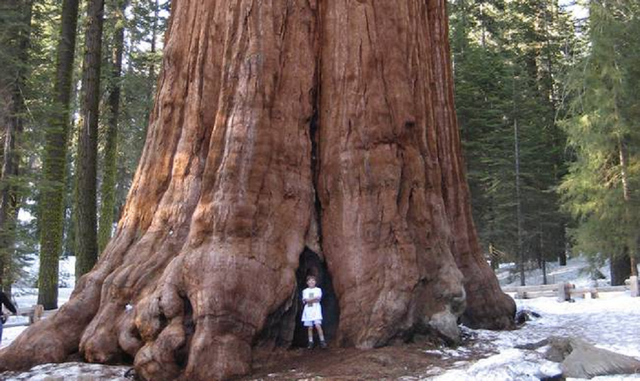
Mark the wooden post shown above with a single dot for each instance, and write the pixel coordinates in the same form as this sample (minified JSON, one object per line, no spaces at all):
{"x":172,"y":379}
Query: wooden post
{"x":634,"y":287}
{"x":563,"y":292}
{"x":38,"y":310}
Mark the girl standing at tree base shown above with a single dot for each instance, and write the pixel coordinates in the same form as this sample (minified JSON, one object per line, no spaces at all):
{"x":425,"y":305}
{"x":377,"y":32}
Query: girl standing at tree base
{"x":312,"y":313}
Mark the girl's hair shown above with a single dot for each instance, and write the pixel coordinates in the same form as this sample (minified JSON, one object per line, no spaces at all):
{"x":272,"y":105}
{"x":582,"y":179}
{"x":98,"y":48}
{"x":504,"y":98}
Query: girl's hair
{"x":312,"y":277}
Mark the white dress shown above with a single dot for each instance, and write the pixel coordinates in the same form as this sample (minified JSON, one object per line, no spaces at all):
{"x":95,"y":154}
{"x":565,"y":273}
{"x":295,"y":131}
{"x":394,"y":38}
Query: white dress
{"x":312,"y":313}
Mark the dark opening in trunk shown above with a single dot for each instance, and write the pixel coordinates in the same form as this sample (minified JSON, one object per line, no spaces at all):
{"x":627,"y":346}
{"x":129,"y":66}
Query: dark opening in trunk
{"x":312,"y":264}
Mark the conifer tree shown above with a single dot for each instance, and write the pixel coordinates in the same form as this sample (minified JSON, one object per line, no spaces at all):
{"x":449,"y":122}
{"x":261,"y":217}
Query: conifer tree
{"x":52,"y":187}
{"x":108,"y":188}
{"x":507,"y":71}
{"x":14,"y":45}
{"x":86,"y":196}
{"x":602,"y":187}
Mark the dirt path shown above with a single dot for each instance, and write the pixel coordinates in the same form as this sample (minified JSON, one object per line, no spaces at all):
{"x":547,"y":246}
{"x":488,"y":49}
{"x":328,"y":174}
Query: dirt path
{"x":407,"y":362}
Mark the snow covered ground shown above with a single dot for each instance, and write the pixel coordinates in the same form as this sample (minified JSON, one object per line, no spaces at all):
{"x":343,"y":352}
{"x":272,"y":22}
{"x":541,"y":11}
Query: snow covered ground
{"x":611,"y":322}
{"x":71,"y":371}
{"x":26,"y":295}
{"x":577,"y":271}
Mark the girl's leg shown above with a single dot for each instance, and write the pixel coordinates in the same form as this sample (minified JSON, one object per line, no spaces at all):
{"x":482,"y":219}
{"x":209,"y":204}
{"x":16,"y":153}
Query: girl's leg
{"x":320,"y":333}
{"x":310,"y":335}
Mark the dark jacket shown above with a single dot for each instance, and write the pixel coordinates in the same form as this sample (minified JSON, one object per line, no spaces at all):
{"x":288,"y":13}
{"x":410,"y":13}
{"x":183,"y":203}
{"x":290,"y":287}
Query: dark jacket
{"x":7,"y":303}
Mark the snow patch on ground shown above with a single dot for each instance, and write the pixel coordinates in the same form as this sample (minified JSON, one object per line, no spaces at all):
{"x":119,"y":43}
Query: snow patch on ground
{"x":510,"y":364}
{"x":577,"y":271}
{"x":26,"y":295}
{"x":611,"y":322}
{"x":66,"y":275}
{"x":70,"y":371}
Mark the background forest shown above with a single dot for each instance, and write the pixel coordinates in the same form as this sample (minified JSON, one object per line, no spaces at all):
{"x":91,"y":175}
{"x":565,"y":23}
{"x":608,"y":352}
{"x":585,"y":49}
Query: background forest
{"x":547,"y":102}
{"x":547,"y":105}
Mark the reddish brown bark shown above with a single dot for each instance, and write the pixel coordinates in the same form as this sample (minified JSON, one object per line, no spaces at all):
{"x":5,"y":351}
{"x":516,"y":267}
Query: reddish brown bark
{"x":282,"y":126}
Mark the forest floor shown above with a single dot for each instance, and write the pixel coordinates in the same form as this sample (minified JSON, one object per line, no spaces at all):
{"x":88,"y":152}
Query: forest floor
{"x":611,"y":322}
{"x":402,"y":361}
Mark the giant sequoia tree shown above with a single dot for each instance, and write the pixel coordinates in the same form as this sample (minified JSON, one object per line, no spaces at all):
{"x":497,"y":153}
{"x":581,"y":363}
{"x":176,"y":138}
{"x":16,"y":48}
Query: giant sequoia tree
{"x":286,"y":136}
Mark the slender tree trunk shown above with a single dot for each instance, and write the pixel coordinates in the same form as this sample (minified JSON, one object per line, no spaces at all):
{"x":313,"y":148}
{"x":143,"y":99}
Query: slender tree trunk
{"x":154,"y":39}
{"x":8,"y":189}
{"x":626,"y":194}
{"x":12,"y":87}
{"x":152,"y":79}
{"x":550,"y":7}
{"x":86,"y":208}
{"x":619,"y":267}
{"x":8,"y":194}
{"x":562,"y":257}
{"x":521,"y":258}
{"x":108,"y":189}
{"x":495,"y":259}
{"x":52,"y":188}
{"x":483,"y":40}
{"x":285,"y":134}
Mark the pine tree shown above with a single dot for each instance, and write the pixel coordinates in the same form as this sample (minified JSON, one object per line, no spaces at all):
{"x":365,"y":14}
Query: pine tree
{"x":143,"y":54}
{"x":602,"y":187}
{"x":52,"y":189}
{"x":507,"y":74}
{"x":86,"y":197}
{"x":108,"y":188}
{"x":14,"y":45}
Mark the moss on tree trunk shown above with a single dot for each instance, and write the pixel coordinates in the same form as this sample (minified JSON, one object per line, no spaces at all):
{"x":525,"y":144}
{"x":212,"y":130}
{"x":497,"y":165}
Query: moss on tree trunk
{"x":52,"y":188}
{"x":108,"y":188}
{"x":86,"y":192}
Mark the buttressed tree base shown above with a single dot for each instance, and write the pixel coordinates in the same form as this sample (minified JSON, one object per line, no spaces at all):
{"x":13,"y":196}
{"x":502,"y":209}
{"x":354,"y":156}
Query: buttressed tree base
{"x":280,"y":128}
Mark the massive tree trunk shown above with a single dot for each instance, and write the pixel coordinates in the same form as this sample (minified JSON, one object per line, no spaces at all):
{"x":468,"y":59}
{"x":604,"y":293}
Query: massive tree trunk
{"x":285,"y":135}
{"x":55,"y":159}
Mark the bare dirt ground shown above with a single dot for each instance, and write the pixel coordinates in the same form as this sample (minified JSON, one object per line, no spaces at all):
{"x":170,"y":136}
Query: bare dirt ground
{"x":405,"y":361}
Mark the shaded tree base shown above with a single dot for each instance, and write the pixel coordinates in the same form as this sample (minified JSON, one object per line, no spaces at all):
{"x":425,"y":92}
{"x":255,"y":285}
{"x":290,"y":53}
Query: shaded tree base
{"x":391,"y":362}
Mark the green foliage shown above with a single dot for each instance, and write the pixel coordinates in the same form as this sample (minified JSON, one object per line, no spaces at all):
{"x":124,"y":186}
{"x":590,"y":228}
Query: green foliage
{"x":146,"y":27}
{"x":29,"y":68}
{"x":509,"y":58}
{"x":145,"y":22}
{"x":602,"y":130}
